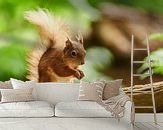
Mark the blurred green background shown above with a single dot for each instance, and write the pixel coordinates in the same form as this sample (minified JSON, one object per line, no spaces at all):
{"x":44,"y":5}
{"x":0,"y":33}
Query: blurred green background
{"x":17,"y":36}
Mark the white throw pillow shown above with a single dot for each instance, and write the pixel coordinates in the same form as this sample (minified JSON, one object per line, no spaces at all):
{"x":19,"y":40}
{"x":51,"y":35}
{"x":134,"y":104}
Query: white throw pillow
{"x":18,"y":84}
{"x":26,"y":109}
{"x":80,"y":109}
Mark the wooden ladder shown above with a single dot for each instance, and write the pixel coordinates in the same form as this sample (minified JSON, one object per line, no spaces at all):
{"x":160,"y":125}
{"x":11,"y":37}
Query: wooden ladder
{"x":147,"y":74}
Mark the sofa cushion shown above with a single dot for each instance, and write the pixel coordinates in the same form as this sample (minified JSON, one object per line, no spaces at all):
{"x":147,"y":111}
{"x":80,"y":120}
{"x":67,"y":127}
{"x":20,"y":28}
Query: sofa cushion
{"x":80,"y":109}
{"x":26,"y":109}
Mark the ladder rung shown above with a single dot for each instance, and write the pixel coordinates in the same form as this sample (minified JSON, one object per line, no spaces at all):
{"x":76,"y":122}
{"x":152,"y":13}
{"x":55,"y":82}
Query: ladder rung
{"x":139,"y":91}
{"x":140,"y":61}
{"x":141,"y":74}
{"x":140,"y":49}
{"x":143,"y":106}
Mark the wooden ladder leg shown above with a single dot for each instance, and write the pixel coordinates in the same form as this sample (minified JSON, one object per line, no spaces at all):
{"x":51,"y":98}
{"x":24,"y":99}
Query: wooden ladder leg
{"x":132,"y":58}
{"x":151,"y":82}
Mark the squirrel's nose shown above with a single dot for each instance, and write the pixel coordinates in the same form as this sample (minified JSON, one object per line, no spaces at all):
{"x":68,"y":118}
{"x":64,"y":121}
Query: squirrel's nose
{"x":82,"y":62}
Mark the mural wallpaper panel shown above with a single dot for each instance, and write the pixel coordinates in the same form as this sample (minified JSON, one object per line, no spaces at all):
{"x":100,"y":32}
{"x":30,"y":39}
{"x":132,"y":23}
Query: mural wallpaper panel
{"x":69,"y":41}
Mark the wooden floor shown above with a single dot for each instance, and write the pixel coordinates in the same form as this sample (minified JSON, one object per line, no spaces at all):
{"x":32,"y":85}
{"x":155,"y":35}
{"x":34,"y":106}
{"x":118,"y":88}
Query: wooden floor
{"x":148,"y":126}
{"x":145,"y":121}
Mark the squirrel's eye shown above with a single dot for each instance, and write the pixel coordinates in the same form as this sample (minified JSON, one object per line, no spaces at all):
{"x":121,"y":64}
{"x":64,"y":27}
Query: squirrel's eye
{"x":73,"y":53}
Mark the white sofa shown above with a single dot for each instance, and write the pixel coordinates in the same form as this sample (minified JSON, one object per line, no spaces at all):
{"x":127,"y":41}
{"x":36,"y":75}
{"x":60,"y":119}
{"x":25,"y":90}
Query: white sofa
{"x":65,"y":94}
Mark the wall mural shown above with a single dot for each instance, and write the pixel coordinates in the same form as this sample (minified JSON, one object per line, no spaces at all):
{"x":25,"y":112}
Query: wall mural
{"x":45,"y":44}
{"x":57,"y":57}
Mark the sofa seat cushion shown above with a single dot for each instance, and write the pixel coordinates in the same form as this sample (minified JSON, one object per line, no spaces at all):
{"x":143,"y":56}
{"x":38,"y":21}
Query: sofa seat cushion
{"x":80,"y":109}
{"x":26,"y":109}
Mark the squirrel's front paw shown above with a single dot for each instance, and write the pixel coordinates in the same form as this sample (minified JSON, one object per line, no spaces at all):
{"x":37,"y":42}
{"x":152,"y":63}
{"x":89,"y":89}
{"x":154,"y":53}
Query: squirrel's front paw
{"x":79,"y":74}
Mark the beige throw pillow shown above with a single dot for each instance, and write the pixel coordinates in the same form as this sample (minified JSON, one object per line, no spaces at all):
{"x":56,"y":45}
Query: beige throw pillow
{"x":111,"y":88}
{"x":16,"y":95}
{"x":5,"y":85}
{"x":91,"y":91}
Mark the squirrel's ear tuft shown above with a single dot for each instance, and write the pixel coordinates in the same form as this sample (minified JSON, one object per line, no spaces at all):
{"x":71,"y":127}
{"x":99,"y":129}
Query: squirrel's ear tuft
{"x":79,"y":37}
{"x":68,"y":43}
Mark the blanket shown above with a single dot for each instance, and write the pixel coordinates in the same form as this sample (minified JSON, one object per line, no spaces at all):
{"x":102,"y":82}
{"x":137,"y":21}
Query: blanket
{"x":116,"y":105}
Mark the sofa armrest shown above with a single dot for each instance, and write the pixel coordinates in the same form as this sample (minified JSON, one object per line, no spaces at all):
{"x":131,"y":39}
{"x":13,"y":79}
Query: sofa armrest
{"x":127,"y":118}
{"x":128,"y":111}
{"x":128,"y":108}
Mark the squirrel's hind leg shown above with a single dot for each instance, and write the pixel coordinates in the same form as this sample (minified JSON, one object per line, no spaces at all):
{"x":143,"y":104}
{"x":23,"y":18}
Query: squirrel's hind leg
{"x":46,"y":76}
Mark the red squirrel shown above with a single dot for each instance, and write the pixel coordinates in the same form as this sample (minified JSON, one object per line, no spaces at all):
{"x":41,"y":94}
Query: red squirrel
{"x":56,"y":58}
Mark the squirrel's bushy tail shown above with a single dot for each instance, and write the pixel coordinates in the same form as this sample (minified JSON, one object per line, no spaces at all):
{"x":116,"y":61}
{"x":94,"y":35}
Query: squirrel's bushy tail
{"x":53,"y":33}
